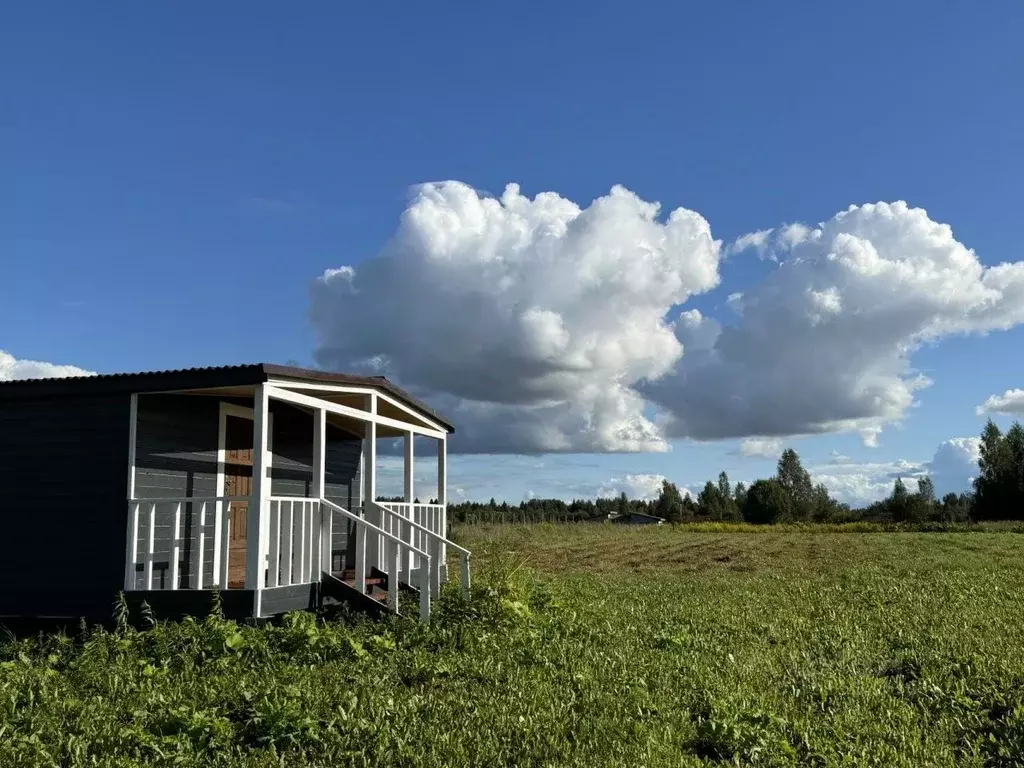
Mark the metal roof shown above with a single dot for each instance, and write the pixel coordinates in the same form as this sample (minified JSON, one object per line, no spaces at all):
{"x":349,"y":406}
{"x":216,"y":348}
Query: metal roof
{"x":200,"y":378}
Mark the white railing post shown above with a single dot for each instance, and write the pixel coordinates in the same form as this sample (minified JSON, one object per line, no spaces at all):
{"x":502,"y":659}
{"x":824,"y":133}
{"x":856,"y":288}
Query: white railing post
{"x":369,"y":493}
{"x":132,"y":548}
{"x":316,"y":548}
{"x":409,"y":466}
{"x":300,"y":564}
{"x":176,"y":547}
{"x":287,"y":543}
{"x":319,"y":487}
{"x":218,"y":533}
{"x":360,"y":557}
{"x":198,"y":554}
{"x":256,"y":544}
{"x":225,"y":546}
{"x":425,"y":589}
{"x":442,"y":498}
{"x":312,"y":551}
{"x":464,"y":557}
{"x":396,"y":558}
{"x":435,"y":559}
{"x":273,"y":577}
{"x":150,"y":535}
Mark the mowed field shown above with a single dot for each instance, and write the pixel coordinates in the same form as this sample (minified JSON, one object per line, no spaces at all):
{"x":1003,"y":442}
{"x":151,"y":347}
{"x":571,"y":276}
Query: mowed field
{"x":781,"y":646}
{"x":584,"y":646}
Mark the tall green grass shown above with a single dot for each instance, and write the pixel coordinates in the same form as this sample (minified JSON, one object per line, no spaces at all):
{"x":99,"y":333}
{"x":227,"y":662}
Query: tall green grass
{"x":583,"y":646}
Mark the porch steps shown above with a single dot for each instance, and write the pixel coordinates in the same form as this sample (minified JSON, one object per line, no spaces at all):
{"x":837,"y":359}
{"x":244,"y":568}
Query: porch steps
{"x":341,"y":586}
{"x":376,"y":586}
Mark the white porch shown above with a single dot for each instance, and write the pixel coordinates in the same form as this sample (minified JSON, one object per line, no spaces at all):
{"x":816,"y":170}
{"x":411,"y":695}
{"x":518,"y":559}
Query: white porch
{"x":288,"y":539}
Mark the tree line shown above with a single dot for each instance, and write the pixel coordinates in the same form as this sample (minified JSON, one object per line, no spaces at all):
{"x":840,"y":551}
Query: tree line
{"x":791,"y":496}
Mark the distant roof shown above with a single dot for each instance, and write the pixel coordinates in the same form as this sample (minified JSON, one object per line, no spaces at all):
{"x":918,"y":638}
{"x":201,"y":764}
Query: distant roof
{"x":201,"y":378}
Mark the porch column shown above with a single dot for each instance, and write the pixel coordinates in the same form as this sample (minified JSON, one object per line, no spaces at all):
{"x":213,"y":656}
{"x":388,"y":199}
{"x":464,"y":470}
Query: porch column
{"x":409,"y":535}
{"x":366,"y":551}
{"x":442,"y":471}
{"x":442,"y":499}
{"x":257,"y":537}
{"x":318,"y":488}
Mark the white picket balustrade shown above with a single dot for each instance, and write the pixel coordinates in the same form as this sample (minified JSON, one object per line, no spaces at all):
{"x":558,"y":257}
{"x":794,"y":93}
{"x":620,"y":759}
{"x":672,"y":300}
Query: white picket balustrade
{"x":295,"y":545}
{"x":409,"y":544}
{"x":168,"y":514}
{"x":405,"y":518}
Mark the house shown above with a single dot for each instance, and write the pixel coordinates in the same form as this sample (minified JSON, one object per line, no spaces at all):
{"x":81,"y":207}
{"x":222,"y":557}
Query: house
{"x":632,"y":518}
{"x":255,"y":480}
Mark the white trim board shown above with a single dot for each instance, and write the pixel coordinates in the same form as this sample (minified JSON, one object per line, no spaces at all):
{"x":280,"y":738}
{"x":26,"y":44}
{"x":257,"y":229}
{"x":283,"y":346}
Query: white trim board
{"x":343,"y":389}
{"x":355,"y":413}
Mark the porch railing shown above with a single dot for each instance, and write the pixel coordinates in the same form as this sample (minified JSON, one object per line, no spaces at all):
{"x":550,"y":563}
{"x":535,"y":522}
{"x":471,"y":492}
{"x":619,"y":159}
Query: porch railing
{"x":296,"y":527}
{"x":423,"y":525}
{"x":404,"y":540}
{"x":161,"y":522}
{"x":396,"y":549}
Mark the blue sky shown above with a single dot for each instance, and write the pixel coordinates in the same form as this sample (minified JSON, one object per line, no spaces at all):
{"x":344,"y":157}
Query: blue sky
{"x":174,"y":178}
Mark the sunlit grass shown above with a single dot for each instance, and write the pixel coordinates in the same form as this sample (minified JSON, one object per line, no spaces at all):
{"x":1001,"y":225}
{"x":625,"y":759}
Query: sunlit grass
{"x":586,"y":645}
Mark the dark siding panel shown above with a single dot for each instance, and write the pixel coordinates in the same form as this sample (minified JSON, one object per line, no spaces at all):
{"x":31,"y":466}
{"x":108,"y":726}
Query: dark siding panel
{"x":64,"y":474}
{"x":292,"y":473}
{"x":176,"y":605}
{"x":298,"y":597}
{"x":342,"y":480}
{"x":176,"y":455}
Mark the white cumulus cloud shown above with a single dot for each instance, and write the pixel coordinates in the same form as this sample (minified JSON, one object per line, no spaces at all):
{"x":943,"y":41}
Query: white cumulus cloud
{"x":952,"y":468}
{"x":641,"y":486}
{"x":761,"y":447}
{"x":955,"y":464}
{"x":757,"y":241}
{"x":13,"y":369}
{"x":824,"y":343}
{"x":527,"y":321}
{"x":539,"y":325}
{"x":860,"y":484}
{"x":1011,"y":402}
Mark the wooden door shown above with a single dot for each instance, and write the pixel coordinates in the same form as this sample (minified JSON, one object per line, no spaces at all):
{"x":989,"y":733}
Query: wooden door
{"x":237,"y":482}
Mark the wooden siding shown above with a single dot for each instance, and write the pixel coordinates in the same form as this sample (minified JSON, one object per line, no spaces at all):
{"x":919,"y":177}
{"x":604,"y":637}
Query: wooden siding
{"x":64,"y":475}
{"x":176,"y":455}
{"x":341,"y":485}
{"x":292,"y":473}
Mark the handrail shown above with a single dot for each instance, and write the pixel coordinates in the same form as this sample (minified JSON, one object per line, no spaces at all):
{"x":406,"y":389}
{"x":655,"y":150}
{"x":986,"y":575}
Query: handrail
{"x":420,"y":527}
{"x":464,"y":554}
{"x":396,"y":559}
{"x":374,"y":528}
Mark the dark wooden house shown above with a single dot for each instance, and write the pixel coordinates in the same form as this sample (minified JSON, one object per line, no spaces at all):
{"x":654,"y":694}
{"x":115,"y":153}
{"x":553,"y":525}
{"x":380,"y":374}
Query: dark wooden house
{"x":255,"y":480}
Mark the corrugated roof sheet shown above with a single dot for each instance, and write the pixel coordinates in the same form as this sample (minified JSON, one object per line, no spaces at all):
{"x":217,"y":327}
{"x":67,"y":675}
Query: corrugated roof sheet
{"x":197,"y":378}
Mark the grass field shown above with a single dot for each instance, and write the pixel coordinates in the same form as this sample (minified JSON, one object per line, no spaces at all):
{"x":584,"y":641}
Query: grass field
{"x":585,"y":646}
